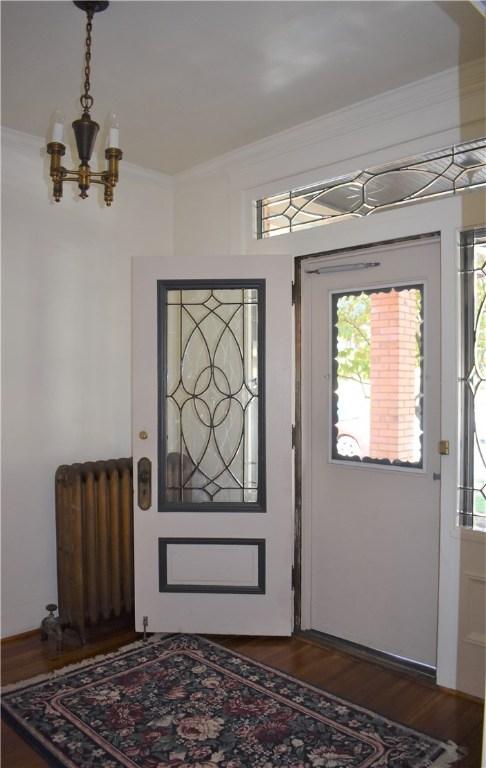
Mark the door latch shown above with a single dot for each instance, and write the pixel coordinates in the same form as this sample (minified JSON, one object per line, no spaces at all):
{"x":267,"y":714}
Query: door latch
{"x":144,"y":483}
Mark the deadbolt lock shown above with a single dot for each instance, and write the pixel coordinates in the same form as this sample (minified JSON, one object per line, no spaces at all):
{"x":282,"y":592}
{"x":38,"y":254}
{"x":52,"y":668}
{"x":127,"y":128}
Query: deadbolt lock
{"x":444,"y":447}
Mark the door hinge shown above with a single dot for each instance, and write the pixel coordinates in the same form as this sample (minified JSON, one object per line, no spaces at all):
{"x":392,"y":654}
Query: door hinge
{"x":293,"y":435}
{"x":444,"y":447}
{"x":292,"y":577}
{"x":293,"y":293}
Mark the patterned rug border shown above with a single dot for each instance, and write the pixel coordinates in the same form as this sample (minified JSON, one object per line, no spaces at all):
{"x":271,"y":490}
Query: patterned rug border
{"x":451,"y":754}
{"x":43,"y":751}
{"x":17,"y":726}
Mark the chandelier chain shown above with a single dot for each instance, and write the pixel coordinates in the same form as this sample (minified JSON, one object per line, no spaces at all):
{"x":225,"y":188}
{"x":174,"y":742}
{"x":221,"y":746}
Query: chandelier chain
{"x":86,"y":99}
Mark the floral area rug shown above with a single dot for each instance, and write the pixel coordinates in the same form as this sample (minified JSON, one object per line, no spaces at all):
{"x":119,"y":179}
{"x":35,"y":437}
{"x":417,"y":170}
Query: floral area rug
{"x":185,"y":702}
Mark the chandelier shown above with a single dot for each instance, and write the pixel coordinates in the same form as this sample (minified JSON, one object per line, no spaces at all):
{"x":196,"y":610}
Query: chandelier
{"x":85,"y":132}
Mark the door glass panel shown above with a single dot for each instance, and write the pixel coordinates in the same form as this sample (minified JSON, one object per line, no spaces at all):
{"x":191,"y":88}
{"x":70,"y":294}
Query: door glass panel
{"x":211,"y":395}
{"x":377,"y":370}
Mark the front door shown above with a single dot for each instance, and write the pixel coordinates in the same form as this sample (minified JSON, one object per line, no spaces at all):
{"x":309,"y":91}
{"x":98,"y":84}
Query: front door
{"x":373,"y":381}
{"x":212,"y":420}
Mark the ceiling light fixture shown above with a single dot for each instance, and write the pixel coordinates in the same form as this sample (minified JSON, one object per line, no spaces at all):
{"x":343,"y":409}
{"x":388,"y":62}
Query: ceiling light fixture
{"x":85,"y":132}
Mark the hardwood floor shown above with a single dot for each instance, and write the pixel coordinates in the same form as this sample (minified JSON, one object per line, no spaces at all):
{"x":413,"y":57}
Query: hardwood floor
{"x":399,"y":696}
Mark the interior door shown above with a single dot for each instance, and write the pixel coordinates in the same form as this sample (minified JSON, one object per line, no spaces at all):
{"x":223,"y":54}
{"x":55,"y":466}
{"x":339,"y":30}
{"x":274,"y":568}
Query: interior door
{"x":212,"y":416}
{"x":374,"y":433}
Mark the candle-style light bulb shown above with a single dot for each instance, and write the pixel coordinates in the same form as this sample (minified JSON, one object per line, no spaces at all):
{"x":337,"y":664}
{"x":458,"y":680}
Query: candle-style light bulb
{"x":58,"y":127}
{"x":114,"y":132}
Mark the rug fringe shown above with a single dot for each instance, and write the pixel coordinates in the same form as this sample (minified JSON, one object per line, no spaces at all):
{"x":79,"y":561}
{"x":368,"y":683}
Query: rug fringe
{"x":79,"y":664}
{"x":448,"y":758}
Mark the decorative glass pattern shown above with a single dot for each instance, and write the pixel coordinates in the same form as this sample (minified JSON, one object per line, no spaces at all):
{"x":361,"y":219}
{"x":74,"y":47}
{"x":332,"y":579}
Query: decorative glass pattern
{"x":211,"y":403}
{"x":447,"y":171}
{"x":472,"y":381}
{"x":377,"y":376}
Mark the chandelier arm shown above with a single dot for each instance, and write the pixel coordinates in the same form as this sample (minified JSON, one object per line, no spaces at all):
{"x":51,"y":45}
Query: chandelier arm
{"x":71,"y":175}
{"x":85,"y":181}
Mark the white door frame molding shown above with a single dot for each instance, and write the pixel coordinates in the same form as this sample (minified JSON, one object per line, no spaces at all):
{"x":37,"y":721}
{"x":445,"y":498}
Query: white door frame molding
{"x":445,"y":217}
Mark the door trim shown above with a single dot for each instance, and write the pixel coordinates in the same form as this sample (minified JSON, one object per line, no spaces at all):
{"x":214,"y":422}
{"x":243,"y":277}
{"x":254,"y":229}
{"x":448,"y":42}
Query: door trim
{"x":166,"y":586}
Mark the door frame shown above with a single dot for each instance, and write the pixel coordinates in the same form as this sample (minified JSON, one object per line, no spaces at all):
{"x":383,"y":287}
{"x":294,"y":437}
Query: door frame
{"x":301,"y":514}
{"x":451,"y":216}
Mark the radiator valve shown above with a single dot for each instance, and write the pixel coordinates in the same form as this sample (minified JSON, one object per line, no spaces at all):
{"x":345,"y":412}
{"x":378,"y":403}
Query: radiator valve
{"x":51,"y":629}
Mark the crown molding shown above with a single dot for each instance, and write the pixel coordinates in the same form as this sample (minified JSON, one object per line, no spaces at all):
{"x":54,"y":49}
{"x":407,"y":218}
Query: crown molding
{"x":29,"y":142}
{"x":148,"y":174}
{"x":19,"y":138}
{"x":448,"y":87}
{"x":444,"y":87}
{"x":480,"y":5}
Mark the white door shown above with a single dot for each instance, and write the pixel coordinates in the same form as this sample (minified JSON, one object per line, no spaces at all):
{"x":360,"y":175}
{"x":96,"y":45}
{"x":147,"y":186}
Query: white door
{"x":373,"y":346}
{"x":212,"y":416}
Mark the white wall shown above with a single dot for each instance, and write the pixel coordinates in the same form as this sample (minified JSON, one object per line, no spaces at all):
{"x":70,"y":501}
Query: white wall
{"x":214,"y":215}
{"x":66,"y":349}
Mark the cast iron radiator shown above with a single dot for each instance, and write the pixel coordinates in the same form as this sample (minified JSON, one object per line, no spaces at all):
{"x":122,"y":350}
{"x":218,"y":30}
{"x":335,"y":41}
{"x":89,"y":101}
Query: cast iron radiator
{"x":94,"y":528}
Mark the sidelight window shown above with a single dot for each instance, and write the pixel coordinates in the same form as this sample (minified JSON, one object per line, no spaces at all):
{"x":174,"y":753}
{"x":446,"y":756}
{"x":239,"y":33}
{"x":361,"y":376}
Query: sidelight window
{"x":472,"y":381}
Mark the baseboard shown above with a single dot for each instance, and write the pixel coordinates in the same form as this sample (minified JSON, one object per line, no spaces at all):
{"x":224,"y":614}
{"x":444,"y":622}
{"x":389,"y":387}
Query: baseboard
{"x":93,"y":633}
{"x":20,"y":636}
{"x":461,"y":694}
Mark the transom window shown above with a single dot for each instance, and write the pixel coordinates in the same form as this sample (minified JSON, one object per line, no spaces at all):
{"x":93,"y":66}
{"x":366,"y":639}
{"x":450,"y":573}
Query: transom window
{"x":448,"y":171}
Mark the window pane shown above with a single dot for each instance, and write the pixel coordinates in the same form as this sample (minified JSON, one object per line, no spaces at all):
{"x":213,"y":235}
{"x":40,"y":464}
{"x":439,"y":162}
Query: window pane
{"x":472,"y":497}
{"x":211,"y":394}
{"x":443,"y":172}
{"x":377,"y":376}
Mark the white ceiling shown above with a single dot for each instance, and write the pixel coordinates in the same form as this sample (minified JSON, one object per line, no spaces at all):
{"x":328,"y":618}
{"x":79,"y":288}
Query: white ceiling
{"x":192,"y":80}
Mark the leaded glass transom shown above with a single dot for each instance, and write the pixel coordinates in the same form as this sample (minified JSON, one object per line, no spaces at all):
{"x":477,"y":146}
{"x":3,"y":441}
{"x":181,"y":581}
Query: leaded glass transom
{"x":211,"y":395}
{"x":458,"y":168}
{"x":472,"y":381}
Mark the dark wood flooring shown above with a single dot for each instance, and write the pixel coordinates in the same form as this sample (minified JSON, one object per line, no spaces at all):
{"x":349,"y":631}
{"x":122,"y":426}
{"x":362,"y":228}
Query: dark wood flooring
{"x":398,"y":695}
